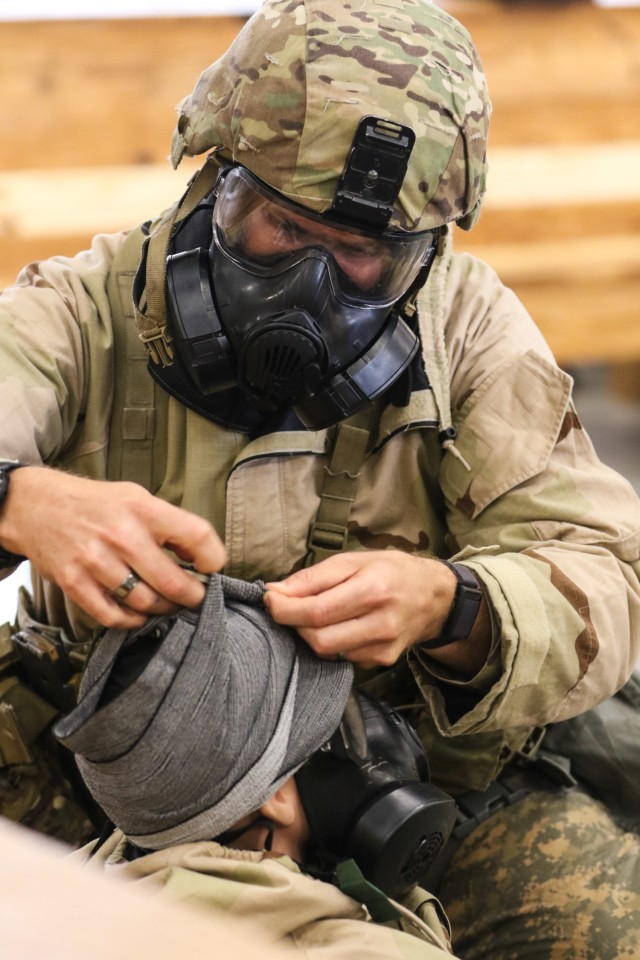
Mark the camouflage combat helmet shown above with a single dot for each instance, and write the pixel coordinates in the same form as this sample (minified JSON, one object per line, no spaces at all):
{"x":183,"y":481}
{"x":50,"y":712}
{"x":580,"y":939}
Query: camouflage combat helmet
{"x":287,"y":97}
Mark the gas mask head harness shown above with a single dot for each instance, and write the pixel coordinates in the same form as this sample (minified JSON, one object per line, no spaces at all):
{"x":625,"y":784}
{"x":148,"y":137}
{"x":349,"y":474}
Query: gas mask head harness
{"x":367,"y":797}
{"x":298,"y":308}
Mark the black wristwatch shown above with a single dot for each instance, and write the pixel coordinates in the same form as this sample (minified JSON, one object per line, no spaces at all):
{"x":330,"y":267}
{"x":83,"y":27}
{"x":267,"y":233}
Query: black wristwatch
{"x":7,"y":559}
{"x":464,"y":609}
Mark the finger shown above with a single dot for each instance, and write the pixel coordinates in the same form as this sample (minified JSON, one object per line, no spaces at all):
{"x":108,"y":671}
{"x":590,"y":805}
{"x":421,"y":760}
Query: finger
{"x":100,"y":605}
{"x":162,"y":575}
{"x":344,"y":602}
{"x":191,"y":537}
{"x":140,"y":596}
{"x":111,"y":572}
{"x":354,"y":640}
{"x":343,"y":637}
{"x":317,"y":579}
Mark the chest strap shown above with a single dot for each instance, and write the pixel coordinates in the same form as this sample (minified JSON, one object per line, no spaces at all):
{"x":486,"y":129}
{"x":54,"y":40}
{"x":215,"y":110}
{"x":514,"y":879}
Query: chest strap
{"x":329,"y":532}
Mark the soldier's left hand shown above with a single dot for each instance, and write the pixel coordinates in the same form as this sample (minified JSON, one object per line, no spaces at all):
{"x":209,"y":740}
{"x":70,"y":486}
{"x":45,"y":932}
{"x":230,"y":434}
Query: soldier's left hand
{"x":368,"y":607}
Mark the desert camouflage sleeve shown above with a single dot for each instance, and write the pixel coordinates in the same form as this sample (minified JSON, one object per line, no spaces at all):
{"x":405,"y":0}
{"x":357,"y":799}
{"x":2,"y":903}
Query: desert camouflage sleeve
{"x":553,"y":533}
{"x":55,"y":324}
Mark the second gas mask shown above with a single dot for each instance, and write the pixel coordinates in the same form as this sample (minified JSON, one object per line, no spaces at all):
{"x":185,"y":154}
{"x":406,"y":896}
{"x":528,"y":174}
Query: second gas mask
{"x":367,"y":797}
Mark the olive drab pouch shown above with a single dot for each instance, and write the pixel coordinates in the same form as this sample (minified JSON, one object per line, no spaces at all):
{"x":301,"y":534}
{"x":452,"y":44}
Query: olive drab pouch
{"x":34,"y":787}
{"x":603,"y":746}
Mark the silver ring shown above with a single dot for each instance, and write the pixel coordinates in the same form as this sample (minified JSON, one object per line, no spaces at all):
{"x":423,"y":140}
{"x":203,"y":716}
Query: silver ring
{"x":122,"y":592}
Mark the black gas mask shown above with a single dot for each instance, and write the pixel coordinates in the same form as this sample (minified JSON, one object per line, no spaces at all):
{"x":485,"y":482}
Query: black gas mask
{"x":299,"y":309}
{"x":367,"y":797}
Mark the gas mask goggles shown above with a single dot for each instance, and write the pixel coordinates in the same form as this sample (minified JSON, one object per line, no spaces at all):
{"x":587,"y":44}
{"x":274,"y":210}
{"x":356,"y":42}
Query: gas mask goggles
{"x":294,"y":308}
{"x":367,"y":797}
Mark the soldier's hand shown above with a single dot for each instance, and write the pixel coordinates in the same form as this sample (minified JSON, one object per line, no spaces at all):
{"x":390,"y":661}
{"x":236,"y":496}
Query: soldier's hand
{"x":368,"y":607}
{"x":88,"y":536}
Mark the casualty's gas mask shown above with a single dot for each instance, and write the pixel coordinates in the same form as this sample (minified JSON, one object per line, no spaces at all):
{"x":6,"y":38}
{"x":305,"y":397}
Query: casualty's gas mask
{"x":367,"y":797}
{"x":296,"y":308}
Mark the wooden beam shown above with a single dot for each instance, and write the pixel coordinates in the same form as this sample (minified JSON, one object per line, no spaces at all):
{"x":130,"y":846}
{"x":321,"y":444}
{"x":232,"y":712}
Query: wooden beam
{"x":103,"y":92}
{"x":88,"y":115}
{"x":77,"y":93}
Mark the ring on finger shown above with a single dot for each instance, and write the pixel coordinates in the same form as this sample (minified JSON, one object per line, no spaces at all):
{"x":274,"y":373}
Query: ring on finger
{"x":121,"y":593}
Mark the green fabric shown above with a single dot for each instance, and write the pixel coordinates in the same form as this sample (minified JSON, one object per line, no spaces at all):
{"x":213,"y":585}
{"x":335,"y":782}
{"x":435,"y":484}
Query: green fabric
{"x":350,"y":881}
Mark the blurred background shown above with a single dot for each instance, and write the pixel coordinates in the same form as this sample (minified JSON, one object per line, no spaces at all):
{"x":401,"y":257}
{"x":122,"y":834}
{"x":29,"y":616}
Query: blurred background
{"x":87,"y":109}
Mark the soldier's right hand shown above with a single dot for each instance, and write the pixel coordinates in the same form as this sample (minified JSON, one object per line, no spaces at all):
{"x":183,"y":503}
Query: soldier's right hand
{"x":88,"y":536}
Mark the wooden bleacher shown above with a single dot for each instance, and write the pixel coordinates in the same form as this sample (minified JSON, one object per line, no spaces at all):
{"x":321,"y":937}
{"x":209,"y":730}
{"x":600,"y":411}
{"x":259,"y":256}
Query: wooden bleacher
{"x":87,"y":112}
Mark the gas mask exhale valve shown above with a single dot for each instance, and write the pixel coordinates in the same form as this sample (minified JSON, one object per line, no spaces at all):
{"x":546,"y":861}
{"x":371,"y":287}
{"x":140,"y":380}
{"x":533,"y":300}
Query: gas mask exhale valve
{"x":293,"y":309}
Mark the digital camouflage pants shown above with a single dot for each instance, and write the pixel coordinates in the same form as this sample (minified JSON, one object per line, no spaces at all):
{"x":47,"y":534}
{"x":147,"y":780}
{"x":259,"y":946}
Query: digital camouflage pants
{"x":550,"y":878}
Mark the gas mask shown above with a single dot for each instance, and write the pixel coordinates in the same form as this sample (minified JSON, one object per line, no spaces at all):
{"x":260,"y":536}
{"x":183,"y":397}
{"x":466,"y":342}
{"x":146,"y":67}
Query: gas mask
{"x":295,"y":309}
{"x":367,"y":797}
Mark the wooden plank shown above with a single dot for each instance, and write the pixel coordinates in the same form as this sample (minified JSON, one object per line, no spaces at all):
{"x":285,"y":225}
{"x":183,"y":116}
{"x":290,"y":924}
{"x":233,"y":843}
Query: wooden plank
{"x":100,"y":91}
{"x":103,"y":92}
{"x":589,"y":322}
{"x":88,"y":199}
{"x":88,"y":109}
{"x":558,"y":72}
{"x":569,"y":278}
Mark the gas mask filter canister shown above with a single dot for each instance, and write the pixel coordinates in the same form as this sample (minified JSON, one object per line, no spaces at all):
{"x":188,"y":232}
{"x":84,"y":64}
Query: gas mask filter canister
{"x":367,"y":797}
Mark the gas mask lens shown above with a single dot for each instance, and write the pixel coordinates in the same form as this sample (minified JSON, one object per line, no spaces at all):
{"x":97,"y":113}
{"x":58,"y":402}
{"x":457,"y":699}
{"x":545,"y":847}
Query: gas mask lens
{"x":265,"y":234}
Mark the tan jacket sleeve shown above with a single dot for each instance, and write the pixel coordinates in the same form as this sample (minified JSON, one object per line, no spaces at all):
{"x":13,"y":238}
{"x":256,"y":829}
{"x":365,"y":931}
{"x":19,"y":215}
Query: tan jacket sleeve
{"x":55,"y":324}
{"x":553,"y":533}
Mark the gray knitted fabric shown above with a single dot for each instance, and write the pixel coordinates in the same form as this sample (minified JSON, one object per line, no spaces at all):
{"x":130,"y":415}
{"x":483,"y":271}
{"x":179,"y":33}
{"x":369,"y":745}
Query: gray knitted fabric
{"x":228,"y":707}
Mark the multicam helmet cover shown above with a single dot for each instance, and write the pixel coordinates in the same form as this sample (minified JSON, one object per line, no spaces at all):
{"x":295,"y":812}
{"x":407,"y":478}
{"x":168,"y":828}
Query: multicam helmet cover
{"x":286,"y":99}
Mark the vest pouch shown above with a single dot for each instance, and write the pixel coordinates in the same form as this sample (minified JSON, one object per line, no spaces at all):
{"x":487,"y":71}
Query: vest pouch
{"x":603,"y":747}
{"x":35,"y":786}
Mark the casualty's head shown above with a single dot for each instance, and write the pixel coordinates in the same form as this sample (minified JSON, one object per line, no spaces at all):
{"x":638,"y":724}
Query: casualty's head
{"x":186,"y":729}
{"x":188,"y":724}
{"x":350,"y":134}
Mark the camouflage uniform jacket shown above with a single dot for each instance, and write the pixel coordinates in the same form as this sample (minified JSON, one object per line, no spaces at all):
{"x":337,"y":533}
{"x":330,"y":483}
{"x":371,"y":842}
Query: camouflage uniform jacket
{"x":281,"y":902}
{"x":521,"y":497}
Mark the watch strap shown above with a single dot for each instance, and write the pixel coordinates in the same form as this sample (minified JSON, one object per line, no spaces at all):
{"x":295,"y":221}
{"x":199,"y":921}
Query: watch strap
{"x":464,"y":609}
{"x":7,"y":559}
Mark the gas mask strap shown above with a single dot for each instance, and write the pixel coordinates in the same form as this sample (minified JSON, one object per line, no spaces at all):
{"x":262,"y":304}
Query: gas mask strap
{"x":349,"y":879}
{"x":150,"y":309}
{"x":328,"y":533}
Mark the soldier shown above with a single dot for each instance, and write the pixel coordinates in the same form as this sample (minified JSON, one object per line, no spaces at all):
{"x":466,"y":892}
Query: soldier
{"x":370,"y":423}
{"x":198,"y":735}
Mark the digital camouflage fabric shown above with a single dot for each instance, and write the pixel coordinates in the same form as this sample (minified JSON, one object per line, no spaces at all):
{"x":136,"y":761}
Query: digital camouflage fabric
{"x":567,"y":886}
{"x":287,"y":97}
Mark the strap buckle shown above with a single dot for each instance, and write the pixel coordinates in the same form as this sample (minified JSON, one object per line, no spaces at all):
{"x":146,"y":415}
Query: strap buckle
{"x":476,"y":806}
{"x":327,"y":536}
{"x":47,"y":666}
{"x":158,"y":344}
